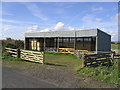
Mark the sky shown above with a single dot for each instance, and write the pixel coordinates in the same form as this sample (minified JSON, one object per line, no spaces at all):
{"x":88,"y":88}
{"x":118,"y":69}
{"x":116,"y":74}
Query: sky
{"x":19,"y":18}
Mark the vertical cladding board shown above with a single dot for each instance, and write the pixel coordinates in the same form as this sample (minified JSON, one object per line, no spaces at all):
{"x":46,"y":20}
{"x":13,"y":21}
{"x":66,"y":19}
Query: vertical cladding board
{"x":104,"y":41}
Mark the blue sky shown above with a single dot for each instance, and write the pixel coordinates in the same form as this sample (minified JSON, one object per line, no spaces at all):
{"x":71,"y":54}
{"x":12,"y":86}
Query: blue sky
{"x":20,"y":17}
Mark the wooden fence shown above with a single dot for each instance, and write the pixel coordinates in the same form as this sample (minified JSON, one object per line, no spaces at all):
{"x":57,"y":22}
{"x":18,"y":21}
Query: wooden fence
{"x":50,"y":49}
{"x":96,"y":59}
{"x":12,"y":51}
{"x":66,"y":50}
{"x":79,"y":53}
{"x":60,"y":50}
{"x":27,"y":55}
{"x":116,"y":54}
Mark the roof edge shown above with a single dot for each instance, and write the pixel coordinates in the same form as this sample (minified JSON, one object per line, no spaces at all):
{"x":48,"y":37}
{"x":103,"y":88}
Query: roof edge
{"x":103,"y":32}
{"x":64,"y":30}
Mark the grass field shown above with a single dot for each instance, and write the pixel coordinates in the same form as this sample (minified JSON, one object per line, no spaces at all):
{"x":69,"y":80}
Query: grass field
{"x":63,"y":61}
{"x":115,"y":46}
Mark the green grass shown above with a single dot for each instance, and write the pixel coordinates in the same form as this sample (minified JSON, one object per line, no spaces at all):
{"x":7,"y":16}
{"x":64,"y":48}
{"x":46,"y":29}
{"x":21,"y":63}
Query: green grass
{"x":115,"y":46}
{"x":64,"y":61}
{"x":10,"y":58}
{"x":102,"y":73}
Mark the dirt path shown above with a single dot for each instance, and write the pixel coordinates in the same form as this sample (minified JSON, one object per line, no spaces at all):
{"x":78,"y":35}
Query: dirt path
{"x":58,"y":77}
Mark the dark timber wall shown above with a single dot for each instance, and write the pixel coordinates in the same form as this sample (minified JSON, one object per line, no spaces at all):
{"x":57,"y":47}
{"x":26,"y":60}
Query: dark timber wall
{"x":104,"y":41}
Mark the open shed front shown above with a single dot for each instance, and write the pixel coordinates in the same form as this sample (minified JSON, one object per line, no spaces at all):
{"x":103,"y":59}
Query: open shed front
{"x":79,"y":43}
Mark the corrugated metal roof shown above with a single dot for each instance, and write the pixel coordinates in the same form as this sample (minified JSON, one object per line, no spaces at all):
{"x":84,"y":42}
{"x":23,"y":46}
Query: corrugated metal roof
{"x":77,"y":33}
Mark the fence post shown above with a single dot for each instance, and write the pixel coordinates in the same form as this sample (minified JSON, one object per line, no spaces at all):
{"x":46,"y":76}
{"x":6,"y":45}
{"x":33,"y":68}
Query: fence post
{"x":58,"y":45}
{"x":43,"y":57}
{"x":113,"y":53}
{"x":83,"y":59}
{"x":79,"y":55}
{"x":18,"y":53}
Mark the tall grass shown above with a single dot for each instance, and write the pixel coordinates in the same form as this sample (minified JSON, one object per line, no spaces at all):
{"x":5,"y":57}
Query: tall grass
{"x":108,"y":74}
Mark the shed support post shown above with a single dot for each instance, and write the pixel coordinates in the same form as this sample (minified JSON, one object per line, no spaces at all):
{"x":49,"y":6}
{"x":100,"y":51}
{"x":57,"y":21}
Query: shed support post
{"x":25,"y":45}
{"x":96,"y":44}
{"x":62,"y":41}
{"x":75,"y":42}
{"x":36,"y":44}
{"x":58,"y":44}
{"x":44,"y":44}
{"x":83,"y":42}
{"x":68,"y":41}
{"x":91,"y":44}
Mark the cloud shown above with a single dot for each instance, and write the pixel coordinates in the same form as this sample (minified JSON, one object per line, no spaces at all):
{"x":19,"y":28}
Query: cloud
{"x":98,"y":19}
{"x":97,"y":9}
{"x":114,"y":34}
{"x":45,"y":30}
{"x":104,"y":30}
{"x":71,"y":28}
{"x":32,"y":28}
{"x":83,"y":27}
{"x":89,"y":20}
{"x":36,"y":11}
{"x":9,"y":21}
{"x":62,"y":26}
{"x":59,"y":26}
{"x":6,"y":28}
{"x":12,"y":31}
{"x":35,"y":28}
{"x":15,"y":21}
{"x":115,"y":17}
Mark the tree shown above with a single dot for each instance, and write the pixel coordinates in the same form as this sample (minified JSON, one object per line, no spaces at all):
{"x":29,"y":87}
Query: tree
{"x":9,"y":39}
{"x":19,"y":44}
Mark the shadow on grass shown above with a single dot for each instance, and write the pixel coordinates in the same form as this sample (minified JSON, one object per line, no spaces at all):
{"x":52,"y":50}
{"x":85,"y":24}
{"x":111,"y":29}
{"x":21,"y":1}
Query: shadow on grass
{"x":99,"y":64}
{"x":55,"y":64}
{"x":45,"y":63}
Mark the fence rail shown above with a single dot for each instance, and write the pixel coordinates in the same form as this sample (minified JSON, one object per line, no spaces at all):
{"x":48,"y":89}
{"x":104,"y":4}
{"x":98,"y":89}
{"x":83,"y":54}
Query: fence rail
{"x":12,"y":51}
{"x":27,"y":55}
{"x":66,"y":50}
{"x":96,"y":59}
